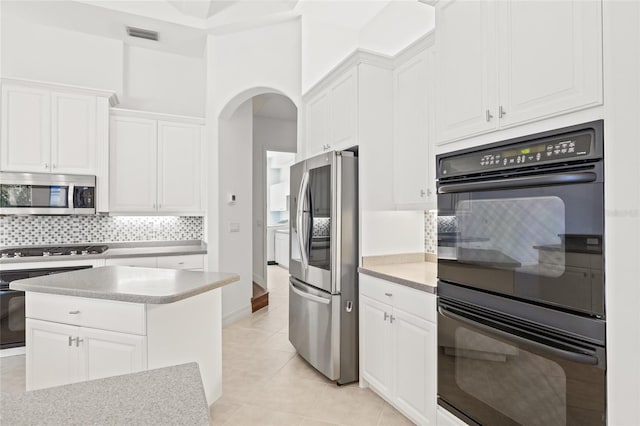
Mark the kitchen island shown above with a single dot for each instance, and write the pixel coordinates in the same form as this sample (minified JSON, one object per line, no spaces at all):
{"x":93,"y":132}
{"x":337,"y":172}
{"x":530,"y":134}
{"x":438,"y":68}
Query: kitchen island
{"x":114,"y":320}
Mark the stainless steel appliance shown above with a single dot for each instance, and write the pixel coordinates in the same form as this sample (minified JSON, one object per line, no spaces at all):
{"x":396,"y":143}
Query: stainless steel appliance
{"x":12,"y":302}
{"x":521,"y":313}
{"x":47,"y":194}
{"x":323,"y":287}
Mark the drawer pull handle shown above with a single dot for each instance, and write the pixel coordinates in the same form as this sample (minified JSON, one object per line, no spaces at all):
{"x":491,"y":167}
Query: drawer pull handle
{"x":180,"y":263}
{"x":74,"y":312}
{"x":388,"y":294}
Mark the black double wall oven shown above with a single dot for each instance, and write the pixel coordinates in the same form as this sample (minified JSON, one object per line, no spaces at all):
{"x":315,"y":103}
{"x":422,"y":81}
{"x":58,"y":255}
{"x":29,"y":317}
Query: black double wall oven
{"x":521,"y":311}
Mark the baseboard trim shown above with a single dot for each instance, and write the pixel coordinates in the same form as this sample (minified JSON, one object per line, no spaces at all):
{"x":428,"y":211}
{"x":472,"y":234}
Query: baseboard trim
{"x":236,"y":315}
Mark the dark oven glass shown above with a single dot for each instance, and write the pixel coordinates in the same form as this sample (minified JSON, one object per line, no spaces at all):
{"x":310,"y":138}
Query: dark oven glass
{"x":507,"y":375}
{"x":541,"y":244}
{"x":11,"y":318}
{"x":319,"y":199}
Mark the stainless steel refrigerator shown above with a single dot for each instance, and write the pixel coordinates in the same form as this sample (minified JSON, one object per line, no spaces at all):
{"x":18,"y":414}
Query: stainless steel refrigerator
{"x":323,"y":282}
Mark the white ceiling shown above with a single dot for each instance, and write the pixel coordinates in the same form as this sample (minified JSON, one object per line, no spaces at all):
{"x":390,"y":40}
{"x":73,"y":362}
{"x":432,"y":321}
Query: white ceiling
{"x":274,"y":106}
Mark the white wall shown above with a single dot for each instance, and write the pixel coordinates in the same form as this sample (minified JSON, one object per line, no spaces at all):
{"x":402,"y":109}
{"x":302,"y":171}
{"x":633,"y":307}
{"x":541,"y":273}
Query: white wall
{"x":622,"y":204}
{"x":396,"y":26}
{"x":164,"y":82}
{"x":273,"y":135}
{"x":240,"y":66}
{"x":40,"y":52}
{"x":235,"y":178}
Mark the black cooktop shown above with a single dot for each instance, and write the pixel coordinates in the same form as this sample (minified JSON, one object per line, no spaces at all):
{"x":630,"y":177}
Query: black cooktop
{"x":45,"y":251}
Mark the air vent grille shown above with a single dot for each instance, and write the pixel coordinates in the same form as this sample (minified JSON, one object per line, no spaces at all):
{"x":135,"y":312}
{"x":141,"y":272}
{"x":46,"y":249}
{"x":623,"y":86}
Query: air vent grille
{"x":142,"y":33}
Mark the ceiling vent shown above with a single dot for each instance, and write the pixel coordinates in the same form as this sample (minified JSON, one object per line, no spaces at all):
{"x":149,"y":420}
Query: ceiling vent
{"x":140,"y":33}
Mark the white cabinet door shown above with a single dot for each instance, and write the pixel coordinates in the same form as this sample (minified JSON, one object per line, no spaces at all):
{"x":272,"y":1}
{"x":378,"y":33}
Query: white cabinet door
{"x":466,"y":69}
{"x":106,"y":353}
{"x":551,"y":68}
{"x":73,"y":133}
{"x":133,"y":165}
{"x":414,"y":349}
{"x":343,"y":111}
{"x":25,"y":144}
{"x":179,"y":157}
{"x":282,"y":249}
{"x":317,"y":124}
{"x":410,"y":138}
{"x":375,"y":331}
{"x":51,"y":357}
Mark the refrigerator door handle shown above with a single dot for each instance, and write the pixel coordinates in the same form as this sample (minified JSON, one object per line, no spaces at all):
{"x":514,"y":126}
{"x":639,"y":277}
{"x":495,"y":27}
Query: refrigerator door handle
{"x":302,"y":194}
{"x":308,"y":296}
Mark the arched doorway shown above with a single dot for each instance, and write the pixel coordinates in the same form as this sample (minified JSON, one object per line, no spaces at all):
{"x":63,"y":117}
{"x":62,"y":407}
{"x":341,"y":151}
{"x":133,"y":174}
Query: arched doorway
{"x":254,"y":122}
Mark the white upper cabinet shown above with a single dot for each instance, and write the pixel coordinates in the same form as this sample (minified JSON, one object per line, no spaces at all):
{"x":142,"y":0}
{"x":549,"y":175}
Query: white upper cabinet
{"x":26,"y":129}
{"x":343,"y":110}
{"x":550,"y":58}
{"x":155,"y":165}
{"x":179,"y":156}
{"x":506,"y":63}
{"x":73,"y":133}
{"x":52,"y":128}
{"x":466,"y":69}
{"x":317,"y":119}
{"x":133,"y":165}
{"x":412,"y":91}
{"x":338,"y":107}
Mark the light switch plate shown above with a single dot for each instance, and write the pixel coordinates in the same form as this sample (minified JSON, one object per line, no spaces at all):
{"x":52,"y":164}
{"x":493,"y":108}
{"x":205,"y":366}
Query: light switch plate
{"x":234,"y":227}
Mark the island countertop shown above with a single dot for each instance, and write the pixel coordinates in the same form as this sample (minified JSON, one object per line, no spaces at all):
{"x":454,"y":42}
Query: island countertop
{"x":166,"y":396}
{"x":128,"y":284}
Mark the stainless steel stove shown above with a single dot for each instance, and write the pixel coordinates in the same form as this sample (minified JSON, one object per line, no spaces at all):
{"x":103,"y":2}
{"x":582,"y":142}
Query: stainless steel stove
{"x":46,"y":251}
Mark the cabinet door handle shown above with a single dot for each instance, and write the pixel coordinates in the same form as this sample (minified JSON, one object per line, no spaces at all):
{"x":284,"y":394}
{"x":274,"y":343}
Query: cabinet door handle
{"x":429,"y":192}
{"x":71,"y":339}
{"x":501,"y":112}
{"x":422,"y":193}
{"x":53,"y":165}
{"x":46,"y":165}
{"x":391,"y":318}
{"x":79,"y":340}
{"x":488,"y":115}
{"x":386,"y":315}
{"x":74,"y":312}
{"x":388,"y":294}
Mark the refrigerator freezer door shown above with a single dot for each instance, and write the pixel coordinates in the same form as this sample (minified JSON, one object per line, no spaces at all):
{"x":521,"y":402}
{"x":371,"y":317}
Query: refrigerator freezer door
{"x":314,"y":327}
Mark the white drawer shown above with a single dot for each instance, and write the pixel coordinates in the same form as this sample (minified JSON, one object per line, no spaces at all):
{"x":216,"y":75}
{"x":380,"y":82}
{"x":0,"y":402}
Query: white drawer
{"x":102,"y":314}
{"x":145,"y":262}
{"x":416,"y":302}
{"x":190,"y":261}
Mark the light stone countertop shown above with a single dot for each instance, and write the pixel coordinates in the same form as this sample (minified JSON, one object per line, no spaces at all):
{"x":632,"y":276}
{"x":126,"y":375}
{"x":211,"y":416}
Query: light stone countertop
{"x":128,"y":284}
{"x":165,"y":396}
{"x":415,"y":273}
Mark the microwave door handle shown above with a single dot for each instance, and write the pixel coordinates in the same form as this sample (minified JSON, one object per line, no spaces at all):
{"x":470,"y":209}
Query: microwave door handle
{"x":578,"y":357}
{"x":70,"y":200}
{"x":302,"y":191}
{"x":519,"y":182}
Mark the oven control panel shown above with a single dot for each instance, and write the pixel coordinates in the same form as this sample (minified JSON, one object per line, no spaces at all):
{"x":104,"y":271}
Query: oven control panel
{"x":520,"y":155}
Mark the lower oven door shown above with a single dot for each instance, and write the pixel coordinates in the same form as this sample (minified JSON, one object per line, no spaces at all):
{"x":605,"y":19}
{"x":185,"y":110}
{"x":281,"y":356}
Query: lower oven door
{"x":314,"y":326}
{"x":493,"y":370}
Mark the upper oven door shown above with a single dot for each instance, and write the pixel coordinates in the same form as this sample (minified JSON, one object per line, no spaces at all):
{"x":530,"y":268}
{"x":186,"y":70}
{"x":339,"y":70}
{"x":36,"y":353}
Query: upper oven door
{"x":496,"y":371}
{"x":536,"y":237}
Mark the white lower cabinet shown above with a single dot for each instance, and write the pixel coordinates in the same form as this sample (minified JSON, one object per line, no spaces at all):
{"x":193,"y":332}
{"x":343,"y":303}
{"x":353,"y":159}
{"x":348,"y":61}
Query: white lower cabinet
{"x":398,"y":344}
{"x":282,"y":249}
{"x":60,"y":354}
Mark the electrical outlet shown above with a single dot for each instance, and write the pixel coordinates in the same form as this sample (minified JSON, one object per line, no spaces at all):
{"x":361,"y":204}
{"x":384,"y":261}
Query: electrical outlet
{"x":234,"y":227}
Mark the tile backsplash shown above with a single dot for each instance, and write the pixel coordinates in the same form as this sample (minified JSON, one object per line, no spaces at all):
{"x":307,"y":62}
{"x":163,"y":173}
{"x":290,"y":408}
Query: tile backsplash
{"x":44,"y":230}
{"x":431,"y":231}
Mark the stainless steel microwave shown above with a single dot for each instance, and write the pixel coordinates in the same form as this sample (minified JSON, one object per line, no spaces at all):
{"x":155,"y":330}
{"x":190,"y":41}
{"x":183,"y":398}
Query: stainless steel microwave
{"x":46,"y":194}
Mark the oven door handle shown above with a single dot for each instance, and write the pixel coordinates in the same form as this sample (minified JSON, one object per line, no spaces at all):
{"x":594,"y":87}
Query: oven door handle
{"x":578,"y":357}
{"x":519,"y":182}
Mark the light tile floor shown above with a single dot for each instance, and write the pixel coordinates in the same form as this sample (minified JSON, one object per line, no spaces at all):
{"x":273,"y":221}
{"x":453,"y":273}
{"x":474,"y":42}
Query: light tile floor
{"x":264,"y":381}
